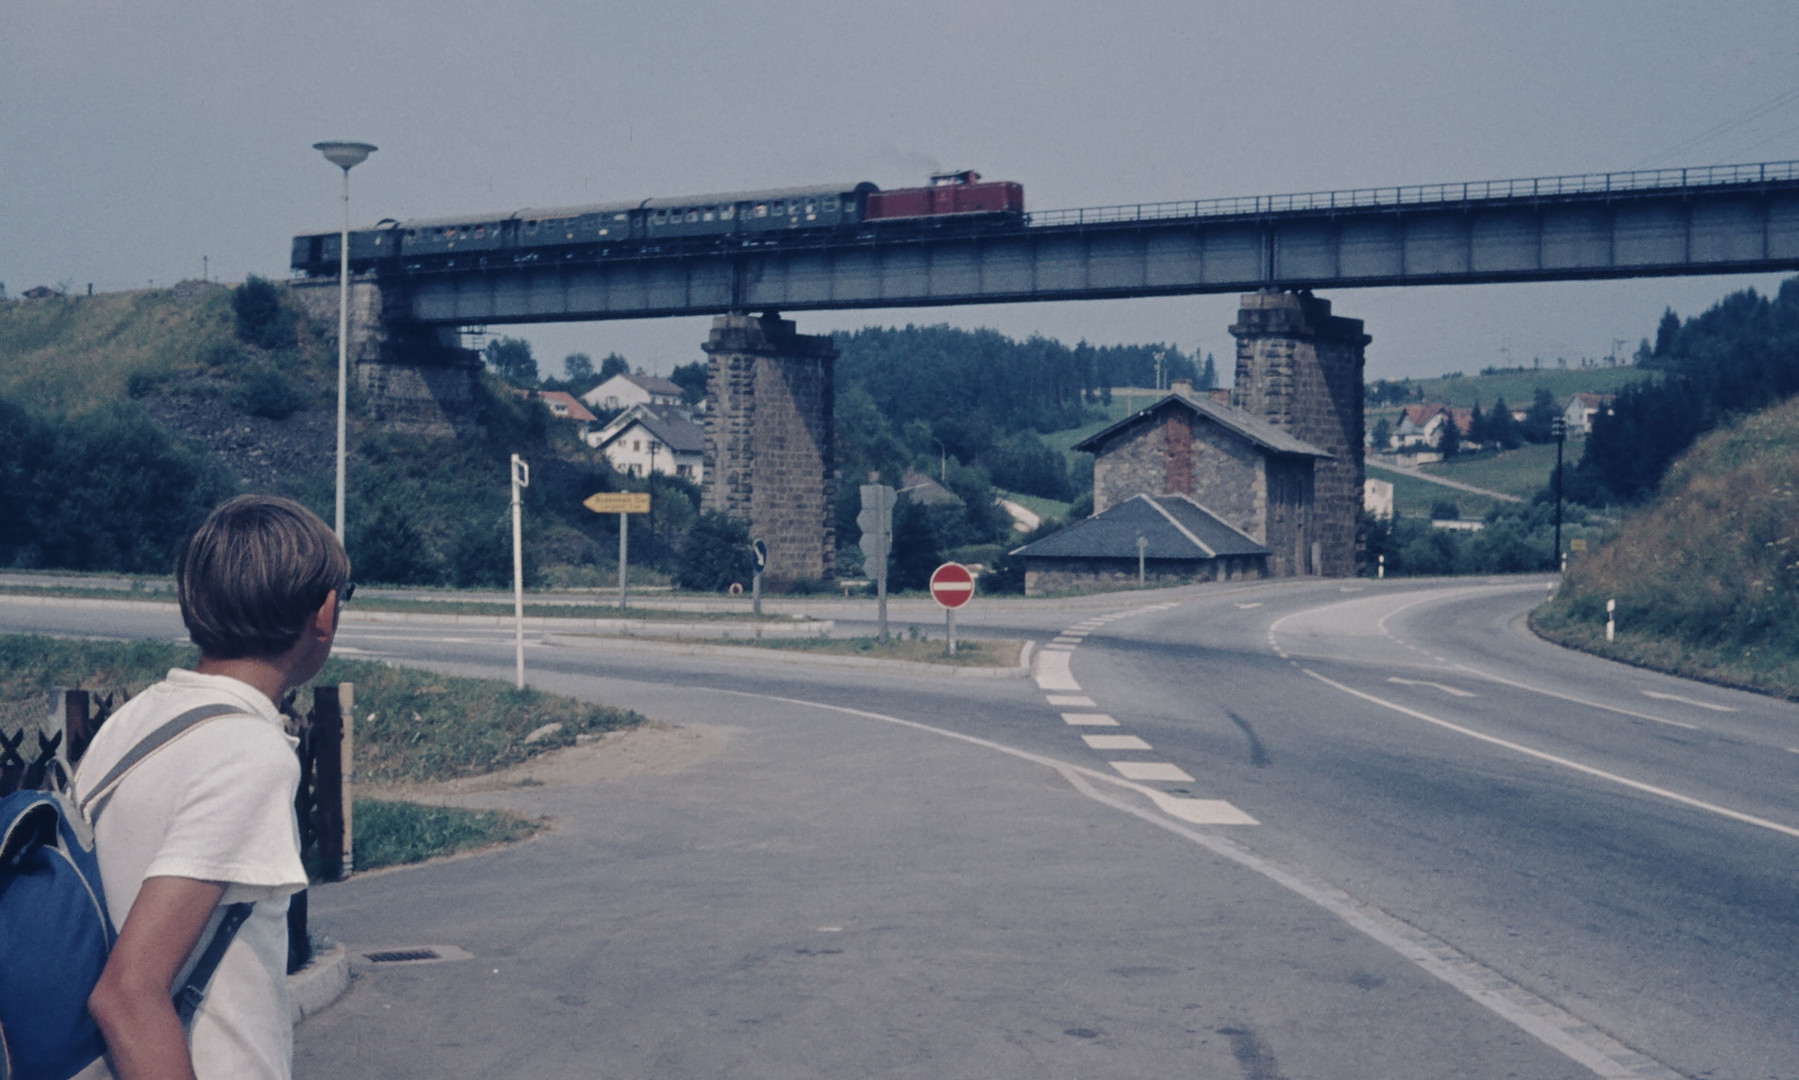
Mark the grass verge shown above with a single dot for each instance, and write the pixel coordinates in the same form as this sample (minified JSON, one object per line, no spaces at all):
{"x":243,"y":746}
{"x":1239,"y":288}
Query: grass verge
{"x":969,"y":653}
{"x":1743,"y":667}
{"x":411,"y":725}
{"x":397,"y":833}
{"x":152,"y":594}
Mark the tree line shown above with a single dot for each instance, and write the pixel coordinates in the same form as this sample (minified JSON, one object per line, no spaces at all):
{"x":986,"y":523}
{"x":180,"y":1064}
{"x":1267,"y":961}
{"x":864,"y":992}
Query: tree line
{"x":1740,"y":356}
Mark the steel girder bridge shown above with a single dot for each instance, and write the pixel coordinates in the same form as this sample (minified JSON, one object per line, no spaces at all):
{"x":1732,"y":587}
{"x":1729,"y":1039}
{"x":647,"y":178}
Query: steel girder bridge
{"x":1718,"y":220}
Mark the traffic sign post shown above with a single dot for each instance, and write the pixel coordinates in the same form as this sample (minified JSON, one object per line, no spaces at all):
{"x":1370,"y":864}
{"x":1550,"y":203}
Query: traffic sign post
{"x":759,"y":563}
{"x":622,"y":503}
{"x":876,"y":523}
{"x":952,"y":585}
{"x":521,"y":478}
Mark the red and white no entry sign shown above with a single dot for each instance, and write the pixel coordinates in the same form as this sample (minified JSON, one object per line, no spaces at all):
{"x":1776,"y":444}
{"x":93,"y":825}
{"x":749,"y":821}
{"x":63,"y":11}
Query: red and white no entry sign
{"x":952,"y":585}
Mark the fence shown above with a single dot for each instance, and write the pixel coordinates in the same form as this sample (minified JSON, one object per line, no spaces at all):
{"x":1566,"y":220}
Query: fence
{"x":322,"y":803}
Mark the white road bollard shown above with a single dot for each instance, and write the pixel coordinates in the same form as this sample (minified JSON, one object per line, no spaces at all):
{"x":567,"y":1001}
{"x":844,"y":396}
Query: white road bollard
{"x":1611,"y":608}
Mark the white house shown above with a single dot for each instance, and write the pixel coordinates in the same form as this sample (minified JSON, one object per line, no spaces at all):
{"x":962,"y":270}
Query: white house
{"x":624,"y":391}
{"x":1581,"y":409}
{"x":654,"y":438}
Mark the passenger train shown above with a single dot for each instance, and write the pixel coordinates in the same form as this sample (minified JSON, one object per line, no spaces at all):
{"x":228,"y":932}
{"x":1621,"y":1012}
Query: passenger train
{"x":666,"y":226}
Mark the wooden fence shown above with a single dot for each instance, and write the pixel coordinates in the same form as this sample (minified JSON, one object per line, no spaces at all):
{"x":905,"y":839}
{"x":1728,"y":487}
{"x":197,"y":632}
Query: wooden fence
{"x":322,"y":802}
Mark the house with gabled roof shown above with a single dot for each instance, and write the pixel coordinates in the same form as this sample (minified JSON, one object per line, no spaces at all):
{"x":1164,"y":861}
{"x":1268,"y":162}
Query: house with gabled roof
{"x":1155,"y":539}
{"x":654,"y":438}
{"x":625,"y":390}
{"x":1253,"y":477}
{"x":1582,"y":407}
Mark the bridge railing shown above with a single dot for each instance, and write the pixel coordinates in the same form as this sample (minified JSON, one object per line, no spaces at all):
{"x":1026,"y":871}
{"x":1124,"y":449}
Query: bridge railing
{"x":1418,"y":194}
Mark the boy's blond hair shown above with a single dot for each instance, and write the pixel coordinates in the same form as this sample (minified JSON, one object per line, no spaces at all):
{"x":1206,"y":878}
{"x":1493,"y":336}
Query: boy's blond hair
{"x":253,"y":573}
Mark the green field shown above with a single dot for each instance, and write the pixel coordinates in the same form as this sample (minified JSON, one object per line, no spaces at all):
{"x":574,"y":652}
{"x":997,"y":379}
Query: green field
{"x":1521,"y":472}
{"x":1518,"y":387}
{"x":1413,"y":497}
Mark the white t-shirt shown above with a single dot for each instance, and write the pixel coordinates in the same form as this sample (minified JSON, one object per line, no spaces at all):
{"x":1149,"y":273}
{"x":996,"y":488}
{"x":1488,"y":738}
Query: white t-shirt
{"x":216,"y":804}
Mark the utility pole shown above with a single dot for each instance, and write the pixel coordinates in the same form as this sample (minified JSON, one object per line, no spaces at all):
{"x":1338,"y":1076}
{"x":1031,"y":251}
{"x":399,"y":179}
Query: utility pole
{"x":1558,"y":428}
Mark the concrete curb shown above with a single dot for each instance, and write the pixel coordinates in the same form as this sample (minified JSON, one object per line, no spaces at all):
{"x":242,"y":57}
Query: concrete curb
{"x":319,"y":983}
{"x":749,"y":652}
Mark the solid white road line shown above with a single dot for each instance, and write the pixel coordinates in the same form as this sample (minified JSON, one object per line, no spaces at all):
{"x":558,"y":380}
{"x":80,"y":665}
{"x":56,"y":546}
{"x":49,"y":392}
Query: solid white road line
{"x":1115,"y":742}
{"x":1063,"y":639}
{"x":1578,"y":701}
{"x":1089,"y":719}
{"x":1598,"y":1052}
{"x":1566,"y":763}
{"x":1450,"y":690}
{"x":1688,"y":701}
{"x":1151,"y":770}
{"x":1070,"y":699}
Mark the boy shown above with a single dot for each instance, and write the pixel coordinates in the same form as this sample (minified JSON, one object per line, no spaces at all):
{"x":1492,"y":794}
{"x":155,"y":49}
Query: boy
{"x":209,"y":819}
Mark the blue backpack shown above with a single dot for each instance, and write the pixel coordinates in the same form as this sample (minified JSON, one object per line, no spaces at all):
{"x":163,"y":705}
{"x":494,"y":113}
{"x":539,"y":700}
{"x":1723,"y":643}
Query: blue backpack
{"x":55,"y":933}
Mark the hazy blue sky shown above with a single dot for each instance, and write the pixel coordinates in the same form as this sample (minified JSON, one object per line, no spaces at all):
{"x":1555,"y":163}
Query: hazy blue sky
{"x":137,"y":137}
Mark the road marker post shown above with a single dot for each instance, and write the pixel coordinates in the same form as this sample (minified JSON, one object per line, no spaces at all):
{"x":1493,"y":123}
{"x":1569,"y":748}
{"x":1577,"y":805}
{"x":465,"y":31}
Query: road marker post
{"x":876,"y":523}
{"x":1611,"y":608}
{"x":521,"y":479}
{"x":622,"y":503}
{"x":759,"y":563}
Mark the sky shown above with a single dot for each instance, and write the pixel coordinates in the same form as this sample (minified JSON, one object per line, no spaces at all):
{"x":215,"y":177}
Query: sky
{"x":144,"y":142}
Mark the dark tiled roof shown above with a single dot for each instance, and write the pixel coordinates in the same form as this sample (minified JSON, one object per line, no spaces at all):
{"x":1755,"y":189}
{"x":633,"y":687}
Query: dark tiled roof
{"x":655,"y":384}
{"x":1229,"y":417}
{"x":1175,"y":527}
{"x":679,"y":433}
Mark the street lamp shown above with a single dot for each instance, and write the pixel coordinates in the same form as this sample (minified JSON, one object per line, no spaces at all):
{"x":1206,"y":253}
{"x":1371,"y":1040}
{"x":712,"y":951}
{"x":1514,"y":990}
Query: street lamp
{"x":346,"y":156}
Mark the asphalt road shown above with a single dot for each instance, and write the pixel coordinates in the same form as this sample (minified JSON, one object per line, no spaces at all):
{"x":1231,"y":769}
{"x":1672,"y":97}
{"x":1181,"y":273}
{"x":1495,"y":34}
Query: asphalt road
{"x":1472,"y":854}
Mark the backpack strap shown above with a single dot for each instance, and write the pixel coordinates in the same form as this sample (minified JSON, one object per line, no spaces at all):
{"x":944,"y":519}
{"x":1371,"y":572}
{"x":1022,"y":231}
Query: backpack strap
{"x":193,"y":988}
{"x":95,"y":801}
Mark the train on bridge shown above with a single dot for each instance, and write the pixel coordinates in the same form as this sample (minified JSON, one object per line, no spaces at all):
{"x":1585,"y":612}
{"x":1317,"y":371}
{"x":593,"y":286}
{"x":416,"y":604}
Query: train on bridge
{"x":688,"y":224}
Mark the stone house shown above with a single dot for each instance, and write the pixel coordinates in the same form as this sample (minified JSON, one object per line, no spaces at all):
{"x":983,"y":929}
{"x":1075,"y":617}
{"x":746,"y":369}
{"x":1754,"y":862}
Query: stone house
{"x":1250,"y":475}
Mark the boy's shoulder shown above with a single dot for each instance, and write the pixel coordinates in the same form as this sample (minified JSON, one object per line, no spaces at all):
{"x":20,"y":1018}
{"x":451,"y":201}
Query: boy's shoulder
{"x":252,"y":722}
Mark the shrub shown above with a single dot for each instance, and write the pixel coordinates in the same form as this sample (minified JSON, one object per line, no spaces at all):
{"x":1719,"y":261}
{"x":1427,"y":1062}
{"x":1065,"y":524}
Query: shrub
{"x":261,"y":318}
{"x":266,"y":392}
{"x":716,"y":554}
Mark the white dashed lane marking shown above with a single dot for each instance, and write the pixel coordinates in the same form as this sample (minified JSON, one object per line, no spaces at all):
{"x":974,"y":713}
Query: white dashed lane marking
{"x":1151,"y":770}
{"x":1115,"y":742}
{"x":1053,"y":674}
{"x":1089,"y":719}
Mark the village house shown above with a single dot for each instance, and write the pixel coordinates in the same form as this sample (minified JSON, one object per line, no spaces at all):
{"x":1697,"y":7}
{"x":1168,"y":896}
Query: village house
{"x":654,"y":438}
{"x":626,"y":390}
{"x":563,"y":406}
{"x":1582,"y":407}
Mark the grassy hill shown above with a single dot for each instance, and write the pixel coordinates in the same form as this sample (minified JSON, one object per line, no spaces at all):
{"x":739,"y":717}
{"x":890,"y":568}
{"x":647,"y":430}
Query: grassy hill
{"x":72,"y":354}
{"x":1706,"y":578}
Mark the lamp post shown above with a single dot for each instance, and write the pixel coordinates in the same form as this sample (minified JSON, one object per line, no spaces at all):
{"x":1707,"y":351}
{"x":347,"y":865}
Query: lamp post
{"x":346,"y":156}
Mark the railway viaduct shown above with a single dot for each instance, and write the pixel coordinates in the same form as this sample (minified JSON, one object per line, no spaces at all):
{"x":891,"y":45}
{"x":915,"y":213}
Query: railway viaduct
{"x":769,"y":452}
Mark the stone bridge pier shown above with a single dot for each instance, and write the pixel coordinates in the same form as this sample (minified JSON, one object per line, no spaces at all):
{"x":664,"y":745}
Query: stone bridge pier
{"x":1300,"y":368}
{"x":769,"y":442}
{"x":412,"y":378}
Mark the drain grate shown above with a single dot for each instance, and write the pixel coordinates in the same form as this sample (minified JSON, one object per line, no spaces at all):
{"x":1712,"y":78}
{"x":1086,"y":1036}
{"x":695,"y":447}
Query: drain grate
{"x":412,"y":954}
{"x":399,"y":956}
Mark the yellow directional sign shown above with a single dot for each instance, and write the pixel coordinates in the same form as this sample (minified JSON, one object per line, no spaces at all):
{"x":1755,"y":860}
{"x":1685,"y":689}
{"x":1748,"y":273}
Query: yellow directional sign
{"x":618,"y":502}
{"x":1577,"y":545}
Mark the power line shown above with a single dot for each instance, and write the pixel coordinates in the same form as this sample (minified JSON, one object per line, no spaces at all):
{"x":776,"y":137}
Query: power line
{"x":1750,"y":115}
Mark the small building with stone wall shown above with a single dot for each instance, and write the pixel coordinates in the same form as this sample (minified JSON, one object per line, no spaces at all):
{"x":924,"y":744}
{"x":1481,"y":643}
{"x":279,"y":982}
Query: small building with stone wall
{"x":769,"y":440}
{"x":1181,"y":542}
{"x":1254,"y":477}
{"x":1299,"y":368}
